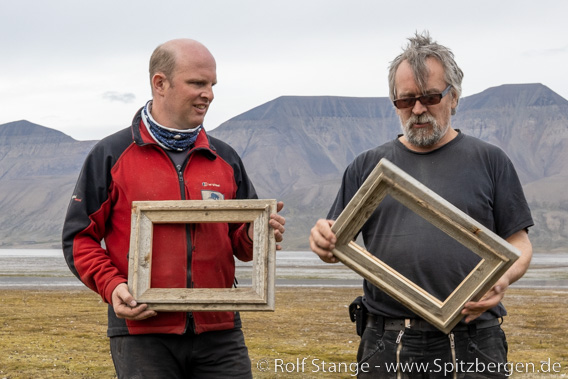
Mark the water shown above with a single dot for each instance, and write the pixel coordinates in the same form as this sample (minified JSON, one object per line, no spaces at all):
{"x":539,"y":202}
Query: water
{"x":35,"y":268}
{"x":32,"y":268}
{"x":546,"y":271}
{"x":46,"y":269}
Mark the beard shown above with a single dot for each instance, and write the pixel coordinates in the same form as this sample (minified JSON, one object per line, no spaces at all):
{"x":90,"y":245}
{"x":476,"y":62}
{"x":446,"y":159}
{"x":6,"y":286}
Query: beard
{"x":423,"y":137}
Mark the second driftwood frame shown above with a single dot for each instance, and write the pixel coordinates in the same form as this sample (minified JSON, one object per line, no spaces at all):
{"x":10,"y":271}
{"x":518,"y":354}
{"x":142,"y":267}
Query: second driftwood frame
{"x":258,"y":297}
{"x":496,"y":254}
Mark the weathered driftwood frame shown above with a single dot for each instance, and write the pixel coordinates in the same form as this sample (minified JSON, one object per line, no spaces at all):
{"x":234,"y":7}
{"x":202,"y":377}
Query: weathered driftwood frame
{"x":258,"y":297}
{"x":496,"y":254}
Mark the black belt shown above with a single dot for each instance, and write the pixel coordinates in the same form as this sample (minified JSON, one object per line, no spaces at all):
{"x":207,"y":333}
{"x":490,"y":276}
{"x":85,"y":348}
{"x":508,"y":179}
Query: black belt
{"x":420,"y":325}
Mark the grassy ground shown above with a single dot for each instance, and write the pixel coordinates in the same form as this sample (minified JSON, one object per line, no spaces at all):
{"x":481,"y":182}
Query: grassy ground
{"x":61,"y":334}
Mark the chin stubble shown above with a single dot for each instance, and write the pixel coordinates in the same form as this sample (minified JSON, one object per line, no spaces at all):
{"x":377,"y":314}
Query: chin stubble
{"x":423,"y":137}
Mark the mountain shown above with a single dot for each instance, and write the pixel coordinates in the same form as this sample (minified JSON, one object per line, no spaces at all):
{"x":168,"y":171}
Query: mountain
{"x":38,"y":170}
{"x":296,"y":148}
{"x":530,"y":123}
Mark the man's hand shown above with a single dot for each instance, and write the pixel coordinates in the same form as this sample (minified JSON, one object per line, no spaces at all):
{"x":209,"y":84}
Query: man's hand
{"x":276,"y":222}
{"x":126,"y":307}
{"x":322,"y":240}
{"x":474,"y":309}
{"x":520,"y":240}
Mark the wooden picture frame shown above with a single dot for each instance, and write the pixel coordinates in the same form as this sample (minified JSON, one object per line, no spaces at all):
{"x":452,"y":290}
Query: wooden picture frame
{"x":497,"y":255}
{"x":258,"y":297}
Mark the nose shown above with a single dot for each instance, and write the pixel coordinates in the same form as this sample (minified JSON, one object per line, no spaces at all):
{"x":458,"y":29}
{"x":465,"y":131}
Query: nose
{"x":208,"y":93}
{"x":419,"y":108}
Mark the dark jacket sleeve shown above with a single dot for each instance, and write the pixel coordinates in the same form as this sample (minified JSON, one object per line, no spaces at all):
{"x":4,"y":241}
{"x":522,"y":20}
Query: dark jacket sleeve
{"x":88,"y":211}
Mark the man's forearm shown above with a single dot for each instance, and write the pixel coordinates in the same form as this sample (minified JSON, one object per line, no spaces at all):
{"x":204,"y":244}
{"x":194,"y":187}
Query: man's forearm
{"x":521,"y":241}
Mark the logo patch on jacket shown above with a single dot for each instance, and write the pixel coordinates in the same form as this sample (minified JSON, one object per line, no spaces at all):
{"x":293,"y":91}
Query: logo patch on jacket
{"x":206,"y":184}
{"x":212,"y":195}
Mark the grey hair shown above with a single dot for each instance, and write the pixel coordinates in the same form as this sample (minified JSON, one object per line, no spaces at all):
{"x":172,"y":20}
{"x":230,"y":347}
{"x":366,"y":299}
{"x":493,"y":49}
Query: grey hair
{"x":162,"y":60}
{"x":419,"y":48}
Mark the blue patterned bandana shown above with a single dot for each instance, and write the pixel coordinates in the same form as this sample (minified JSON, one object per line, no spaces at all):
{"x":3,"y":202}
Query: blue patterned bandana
{"x":170,"y":139}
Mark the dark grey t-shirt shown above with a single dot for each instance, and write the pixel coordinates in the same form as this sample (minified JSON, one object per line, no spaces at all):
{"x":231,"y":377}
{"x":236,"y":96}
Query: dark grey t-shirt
{"x":473,"y":175}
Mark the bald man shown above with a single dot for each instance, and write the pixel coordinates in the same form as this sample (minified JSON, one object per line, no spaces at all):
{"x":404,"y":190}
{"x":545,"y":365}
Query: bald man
{"x":165,"y":155}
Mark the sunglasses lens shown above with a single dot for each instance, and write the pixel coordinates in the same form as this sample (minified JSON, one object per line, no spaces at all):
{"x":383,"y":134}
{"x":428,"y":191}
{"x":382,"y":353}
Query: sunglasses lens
{"x":404,"y":103}
{"x":430,"y":99}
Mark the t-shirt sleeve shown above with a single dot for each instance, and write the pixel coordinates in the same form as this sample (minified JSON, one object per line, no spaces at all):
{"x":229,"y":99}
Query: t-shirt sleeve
{"x":511,"y":210}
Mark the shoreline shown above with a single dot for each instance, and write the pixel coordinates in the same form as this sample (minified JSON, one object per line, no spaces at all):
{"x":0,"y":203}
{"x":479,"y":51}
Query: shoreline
{"x":47,"y":269}
{"x":63,"y":283}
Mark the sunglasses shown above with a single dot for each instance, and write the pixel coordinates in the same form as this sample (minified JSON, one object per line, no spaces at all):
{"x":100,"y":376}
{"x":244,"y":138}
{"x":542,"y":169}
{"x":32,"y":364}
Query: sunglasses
{"x":430,"y":99}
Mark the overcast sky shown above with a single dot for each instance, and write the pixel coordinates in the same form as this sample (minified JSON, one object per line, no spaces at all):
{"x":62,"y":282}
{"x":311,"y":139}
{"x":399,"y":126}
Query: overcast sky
{"x":81,"y":66}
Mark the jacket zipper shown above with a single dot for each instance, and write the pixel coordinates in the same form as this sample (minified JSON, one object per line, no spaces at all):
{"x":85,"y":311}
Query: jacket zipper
{"x":189,"y":279}
{"x":181,"y":182}
{"x":179,"y":169}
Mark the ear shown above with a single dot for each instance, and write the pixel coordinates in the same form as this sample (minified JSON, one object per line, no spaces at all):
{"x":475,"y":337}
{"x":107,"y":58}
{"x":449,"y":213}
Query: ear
{"x":159,"y":83}
{"x":454,"y":100}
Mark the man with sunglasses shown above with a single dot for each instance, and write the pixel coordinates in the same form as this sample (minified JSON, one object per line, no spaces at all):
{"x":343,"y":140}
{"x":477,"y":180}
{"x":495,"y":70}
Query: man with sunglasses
{"x":478,"y":178}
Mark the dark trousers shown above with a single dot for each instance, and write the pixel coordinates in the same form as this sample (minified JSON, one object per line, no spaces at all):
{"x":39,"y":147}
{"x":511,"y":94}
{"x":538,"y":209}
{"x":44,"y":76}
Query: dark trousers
{"x":407,"y":353}
{"x":219,"y":354}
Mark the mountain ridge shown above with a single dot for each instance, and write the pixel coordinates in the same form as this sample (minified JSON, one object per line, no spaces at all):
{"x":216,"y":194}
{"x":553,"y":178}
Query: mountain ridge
{"x":38,"y":170}
{"x":521,"y":95}
{"x":516,"y":118}
{"x":29,"y":132}
{"x":295,"y":149}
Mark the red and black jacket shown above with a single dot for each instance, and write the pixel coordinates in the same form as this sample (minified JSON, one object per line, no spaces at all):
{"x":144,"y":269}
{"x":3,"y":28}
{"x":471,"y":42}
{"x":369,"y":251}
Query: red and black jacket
{"x":129,"y":166}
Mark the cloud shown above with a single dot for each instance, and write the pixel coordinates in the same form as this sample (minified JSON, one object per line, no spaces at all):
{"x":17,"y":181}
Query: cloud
{"x":547,"y":52}
{"x":113,"y":96}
